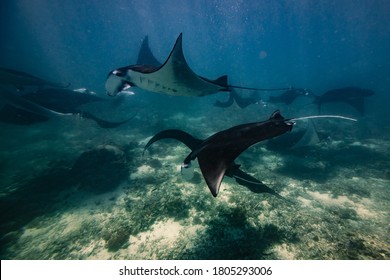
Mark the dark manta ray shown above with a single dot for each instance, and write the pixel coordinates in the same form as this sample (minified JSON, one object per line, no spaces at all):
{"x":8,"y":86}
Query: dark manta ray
{"x":46,"y":104}
{"x":20,"y":79}
{"x":13,"y":115}
{"x":62,"y":100}
{"x":233,"y":171}
{"x":353,"y":96}
{"x":217,"y":153}
{"x":290,"y":95}
{"x":18,"y":110}
{"x":242,"y":102}
{"x":68,"y":101}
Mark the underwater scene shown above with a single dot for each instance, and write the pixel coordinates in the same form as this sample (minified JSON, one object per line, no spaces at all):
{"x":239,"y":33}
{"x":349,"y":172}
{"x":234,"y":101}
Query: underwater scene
{"x":207,"y":129}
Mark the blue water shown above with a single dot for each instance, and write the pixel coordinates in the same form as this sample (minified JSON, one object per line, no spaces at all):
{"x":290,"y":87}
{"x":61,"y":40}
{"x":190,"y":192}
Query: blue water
{"x":320,"y":45}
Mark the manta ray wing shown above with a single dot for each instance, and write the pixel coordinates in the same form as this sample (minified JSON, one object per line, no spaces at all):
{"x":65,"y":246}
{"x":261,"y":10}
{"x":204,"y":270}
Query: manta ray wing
{"x":216,"y":158}
{"x":309,"y":138}
{"x":179,"y":135}
{"x":250,"y":182}
{"x":358,"y":104}
{"x":145,"y":55}
{"x":213,"y":170}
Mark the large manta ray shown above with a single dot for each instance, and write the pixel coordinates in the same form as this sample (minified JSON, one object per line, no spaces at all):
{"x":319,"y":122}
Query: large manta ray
{"x":353,"y":96}
{"x":173,"y":77}
{"x":217,"y":153}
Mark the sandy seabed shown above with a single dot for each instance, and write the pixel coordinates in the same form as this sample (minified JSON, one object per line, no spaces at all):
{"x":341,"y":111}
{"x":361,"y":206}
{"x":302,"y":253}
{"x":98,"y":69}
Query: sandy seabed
{"x":128,"y":206}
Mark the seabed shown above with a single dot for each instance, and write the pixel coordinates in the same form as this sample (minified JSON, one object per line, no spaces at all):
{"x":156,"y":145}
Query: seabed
{"x":74,"y":191}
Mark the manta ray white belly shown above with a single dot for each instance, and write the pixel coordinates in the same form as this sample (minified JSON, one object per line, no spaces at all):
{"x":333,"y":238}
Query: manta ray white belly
{"x":180,"y":84}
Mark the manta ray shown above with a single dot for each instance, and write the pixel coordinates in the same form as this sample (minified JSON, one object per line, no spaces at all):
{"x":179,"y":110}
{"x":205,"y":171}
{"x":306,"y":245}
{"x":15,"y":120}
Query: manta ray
{"x":173,"y":77}
{"x":18,"y":110}
{"x":242,"y":102}
{"x":217,"y":153}
{"x":290,"y":95}
{"x":46,"y":104}
{"x":21,"y":79}
{"x":63,"y":100}
{"x":14,"y":115}
{"x":353,"y":96}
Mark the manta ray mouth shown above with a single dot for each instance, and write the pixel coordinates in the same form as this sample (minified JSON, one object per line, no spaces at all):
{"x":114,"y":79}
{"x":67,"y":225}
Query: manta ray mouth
{"x":115,"y":84}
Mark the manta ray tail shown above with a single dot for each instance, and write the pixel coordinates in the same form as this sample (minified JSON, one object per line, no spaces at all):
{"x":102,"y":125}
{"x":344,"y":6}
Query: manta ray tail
{"x":261,"y":89}
{"x":324,"y":117}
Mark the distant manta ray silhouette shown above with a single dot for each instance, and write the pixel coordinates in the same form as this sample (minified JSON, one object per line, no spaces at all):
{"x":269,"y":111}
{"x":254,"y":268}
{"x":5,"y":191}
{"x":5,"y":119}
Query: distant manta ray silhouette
{"x":217,"y":153}
{"x":173,"y":77}
{"x":20,"y":79}
{"x":234,"y":97}
{"x":353,"y":96}
{"x":47,"y":104}
{"x":290,"y":95}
